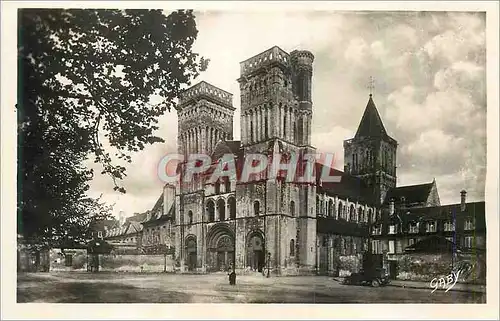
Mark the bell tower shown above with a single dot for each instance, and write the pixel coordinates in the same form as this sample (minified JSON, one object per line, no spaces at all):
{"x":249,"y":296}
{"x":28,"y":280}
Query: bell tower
{"x":276,"y":97}
{"x":205,"y":116}
{"x":371,"y":154}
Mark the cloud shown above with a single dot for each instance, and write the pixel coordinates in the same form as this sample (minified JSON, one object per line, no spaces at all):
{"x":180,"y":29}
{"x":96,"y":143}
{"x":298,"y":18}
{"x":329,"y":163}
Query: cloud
{"x":430,"y":88}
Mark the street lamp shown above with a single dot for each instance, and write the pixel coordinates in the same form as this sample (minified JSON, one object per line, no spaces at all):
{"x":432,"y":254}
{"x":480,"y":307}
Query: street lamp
{"x":268,"y":263}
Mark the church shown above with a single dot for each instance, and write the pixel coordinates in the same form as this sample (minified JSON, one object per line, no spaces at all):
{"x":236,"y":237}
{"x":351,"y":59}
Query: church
{"x":286,"y":227}
{"x":291,"y":227}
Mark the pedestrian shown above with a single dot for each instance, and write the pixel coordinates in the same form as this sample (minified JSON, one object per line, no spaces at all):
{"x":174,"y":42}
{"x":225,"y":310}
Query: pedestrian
{"x":232,"y":278}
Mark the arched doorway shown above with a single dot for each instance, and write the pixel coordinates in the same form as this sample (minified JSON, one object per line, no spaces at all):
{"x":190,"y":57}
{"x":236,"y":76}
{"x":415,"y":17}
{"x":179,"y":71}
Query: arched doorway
{"x":220,"y":247}
{"x":255,"y":252}
{"x":191,"y":252}
{"x":225,"y":253}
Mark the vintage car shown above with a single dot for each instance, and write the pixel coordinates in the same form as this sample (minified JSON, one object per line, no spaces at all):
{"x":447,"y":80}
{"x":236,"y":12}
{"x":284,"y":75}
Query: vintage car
{"x":375,"y":278}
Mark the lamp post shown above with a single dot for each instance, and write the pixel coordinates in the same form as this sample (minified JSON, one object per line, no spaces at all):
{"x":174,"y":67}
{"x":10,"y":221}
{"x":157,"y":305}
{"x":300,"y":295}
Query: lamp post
{"x":268,"y":263}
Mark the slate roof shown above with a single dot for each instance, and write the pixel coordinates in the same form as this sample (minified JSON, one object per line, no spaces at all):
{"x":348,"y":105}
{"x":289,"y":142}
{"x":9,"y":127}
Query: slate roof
{"x":432,"y":244}
{"x":138,"y":217}
{"x":100,"y":225}
{"x":227,"y":147}
{"x":412,"y":193}
{"x":445,"y":213}
{"x":330,"y":225}
{"x":371,"y":124}
{"x":349,"y":186}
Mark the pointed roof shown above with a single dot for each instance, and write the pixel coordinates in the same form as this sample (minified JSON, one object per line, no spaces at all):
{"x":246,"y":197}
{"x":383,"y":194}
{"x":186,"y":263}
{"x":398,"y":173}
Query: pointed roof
{"x":371,"y":124}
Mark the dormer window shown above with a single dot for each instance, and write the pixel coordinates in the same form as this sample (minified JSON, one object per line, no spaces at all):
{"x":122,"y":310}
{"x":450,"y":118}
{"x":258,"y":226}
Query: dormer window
{"x":449,"y":226}
{"x":377,"y":230}
{"x":413,"y":228}
{"x":431,"y":227}
{"x":468,"y":224}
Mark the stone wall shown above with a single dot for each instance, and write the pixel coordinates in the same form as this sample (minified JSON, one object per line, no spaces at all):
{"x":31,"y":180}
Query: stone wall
{"x":70,"y":260}
{"x":425,"y":267}
{"x":136,"y":263}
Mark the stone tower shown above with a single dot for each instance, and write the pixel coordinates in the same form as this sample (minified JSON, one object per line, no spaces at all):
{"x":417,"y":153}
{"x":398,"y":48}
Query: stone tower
{"x":276,"y":97}
{"x":276,"y":113}
{"x":371,"y":154}
{"x":205,"y":115}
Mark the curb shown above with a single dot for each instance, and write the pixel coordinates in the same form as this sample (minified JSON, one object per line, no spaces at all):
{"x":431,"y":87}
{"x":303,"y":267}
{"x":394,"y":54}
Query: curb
{"x":422,"y":288}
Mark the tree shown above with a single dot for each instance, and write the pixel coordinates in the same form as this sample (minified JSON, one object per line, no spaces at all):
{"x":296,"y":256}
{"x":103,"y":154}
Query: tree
{"x":87,"y":78}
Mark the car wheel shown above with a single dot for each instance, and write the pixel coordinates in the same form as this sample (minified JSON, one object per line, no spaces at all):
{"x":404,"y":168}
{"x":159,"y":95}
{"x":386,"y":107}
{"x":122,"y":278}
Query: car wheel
{"x":345,"y":281}
{"x":375,"y":283}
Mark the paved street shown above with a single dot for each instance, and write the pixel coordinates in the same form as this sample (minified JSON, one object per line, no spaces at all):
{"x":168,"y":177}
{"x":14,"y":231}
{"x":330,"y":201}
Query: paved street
{"x":169,"y":288}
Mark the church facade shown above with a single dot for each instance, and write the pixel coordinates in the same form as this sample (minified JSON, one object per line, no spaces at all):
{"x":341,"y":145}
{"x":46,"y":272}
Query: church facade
{"x":286,"y":226}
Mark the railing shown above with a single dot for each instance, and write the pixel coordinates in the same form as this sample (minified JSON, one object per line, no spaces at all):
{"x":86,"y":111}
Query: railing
{"x":274,"y":54}
{"x":204,"y":88}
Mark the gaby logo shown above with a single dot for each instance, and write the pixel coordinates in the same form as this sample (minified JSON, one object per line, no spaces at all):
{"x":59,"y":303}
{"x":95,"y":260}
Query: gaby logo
{"x":289,"y":167}
{"x":447,"y":282}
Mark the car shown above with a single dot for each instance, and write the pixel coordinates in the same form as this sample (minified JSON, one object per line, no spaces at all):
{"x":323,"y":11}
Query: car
{"x":378,"y":277}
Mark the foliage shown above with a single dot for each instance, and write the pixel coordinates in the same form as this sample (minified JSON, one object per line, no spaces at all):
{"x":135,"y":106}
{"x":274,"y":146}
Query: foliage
{"x":87,"y":79}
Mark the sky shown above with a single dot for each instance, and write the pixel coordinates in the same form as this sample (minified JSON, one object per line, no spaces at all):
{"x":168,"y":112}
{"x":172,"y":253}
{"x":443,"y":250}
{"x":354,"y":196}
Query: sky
{"x":430,"y":90}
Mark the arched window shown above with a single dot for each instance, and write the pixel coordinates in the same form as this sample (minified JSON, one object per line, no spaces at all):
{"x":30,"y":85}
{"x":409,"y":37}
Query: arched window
{"x":221,"y":208}
{"x":292,"y":247}
{"x":339,"y":211}
{"x":360,"y":214}
{"x":292,"y":208}
{"x":211,"y":211}
{"x":251,"y":130}
{"x":284,"y":123}
{"x":190,"y":217}
{"x":256,"y":208}
{"x":352,"y":213}
{"x":330,"y":208}
{"x":344,"y":212}
{"x":217,"y":187}
{"x":317,"y":205}
{"x":232,"y":208}
{"x":370,"y":215}
{"x":227,"y":185}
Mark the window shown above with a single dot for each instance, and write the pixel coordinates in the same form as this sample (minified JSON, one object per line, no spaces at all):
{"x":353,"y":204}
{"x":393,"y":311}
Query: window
{"x":221,"y":207}
{"x":256,"y":208}
{"x":392,"y":229}
{"x":430,"y":227}
{"x":468,"y":242}
{"x":377,"y":230}
{"x":414,"y":227}
{"x":292,"y":247}
{"x":468,"y":225}
{"x":339,"y":211}
{"x":211,"y":211}
{"x":217,"y":187}
{"x":411,"y":242}
{"x":232,"y":208}
{"x":99,"y":234}
{"x":190,"y":217}
{"x":292,"y":208}
{"x":227,"y":185}
{"x":325,"y":242}
{"x":391,"y":247}
{"x":352,"y":213}
{"x":330,"y":208}
{"x":449,"y":226}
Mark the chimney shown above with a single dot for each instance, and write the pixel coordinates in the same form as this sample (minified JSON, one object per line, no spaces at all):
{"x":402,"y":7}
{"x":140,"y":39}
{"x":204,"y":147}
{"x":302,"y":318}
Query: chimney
{"x":391,"y":207}
{"x":121,"y":218}
{"x":463,"y":194}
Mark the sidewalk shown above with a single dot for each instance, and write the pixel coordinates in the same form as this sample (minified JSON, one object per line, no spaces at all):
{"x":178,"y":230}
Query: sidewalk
{"x":459,"y":287}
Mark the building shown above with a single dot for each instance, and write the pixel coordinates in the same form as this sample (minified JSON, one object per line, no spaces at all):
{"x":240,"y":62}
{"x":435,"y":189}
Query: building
{"x":290,"y":227}
{"x":286,"y":226}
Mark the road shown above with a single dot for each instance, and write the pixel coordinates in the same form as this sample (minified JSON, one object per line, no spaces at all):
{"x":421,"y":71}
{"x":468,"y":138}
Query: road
{"x":73,"y":287}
